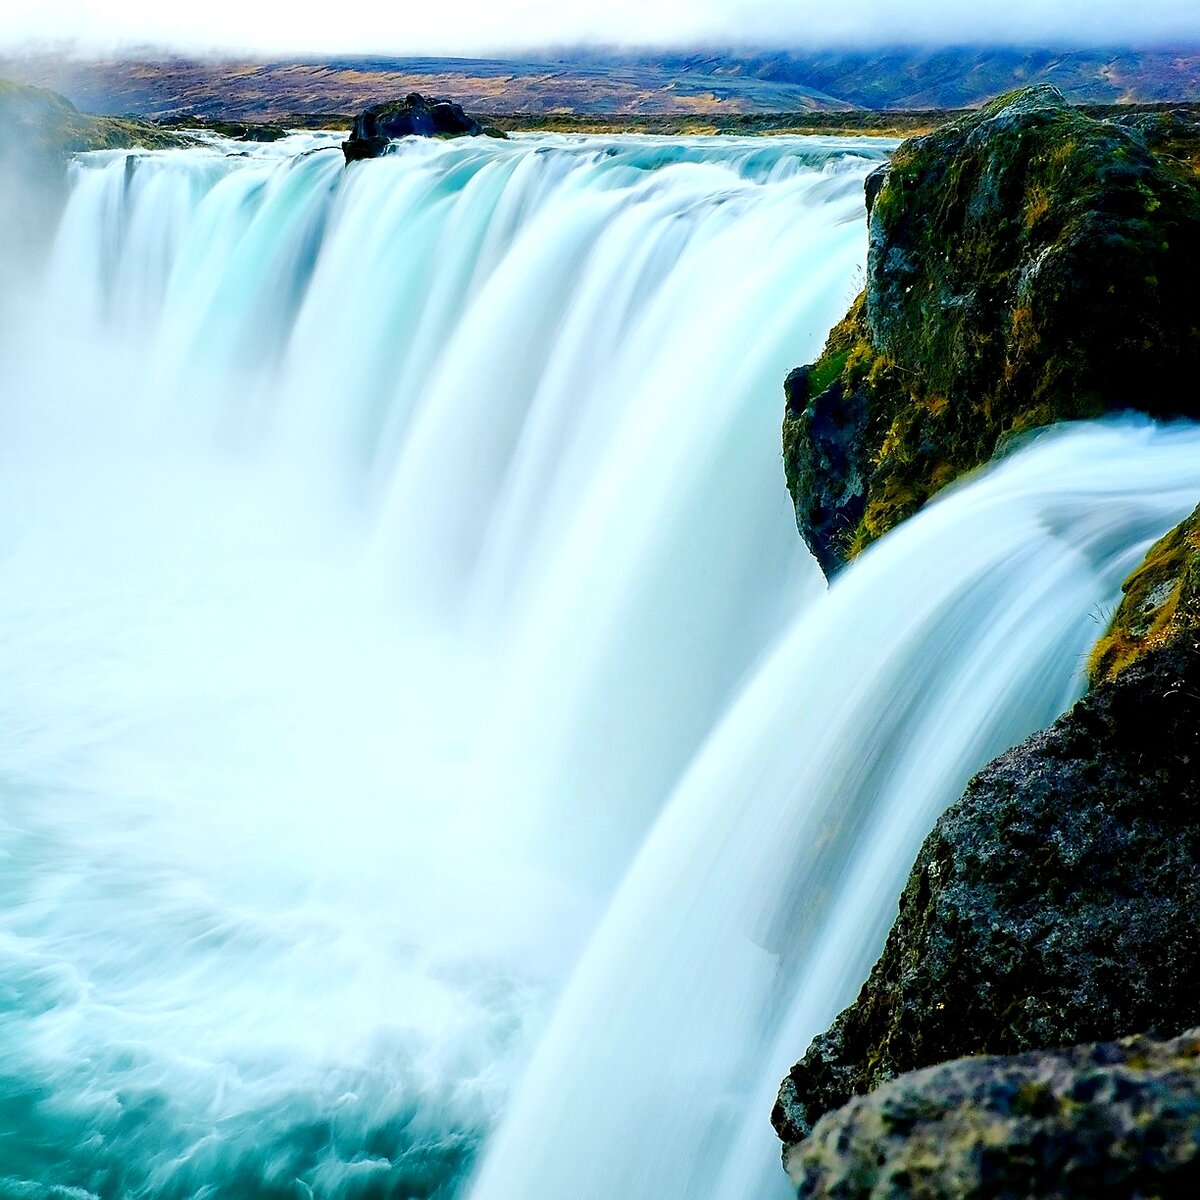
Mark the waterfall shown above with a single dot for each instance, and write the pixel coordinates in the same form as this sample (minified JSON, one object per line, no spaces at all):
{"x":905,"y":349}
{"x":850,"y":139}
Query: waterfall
{"x":758,"y":903}
{"x":422,"y":727}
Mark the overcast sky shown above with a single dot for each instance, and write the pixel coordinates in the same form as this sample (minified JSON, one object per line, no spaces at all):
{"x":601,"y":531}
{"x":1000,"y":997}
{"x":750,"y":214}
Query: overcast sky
{"x":479,"y":26}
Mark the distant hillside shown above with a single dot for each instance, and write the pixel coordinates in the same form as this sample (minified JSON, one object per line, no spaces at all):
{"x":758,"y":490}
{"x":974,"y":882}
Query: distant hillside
{"x":176,"y":87}
{"x":953,"y":77}
{"x":711,"y":84}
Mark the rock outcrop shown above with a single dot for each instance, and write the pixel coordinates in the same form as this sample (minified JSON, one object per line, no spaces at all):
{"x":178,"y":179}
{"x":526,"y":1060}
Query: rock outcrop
{"x":1057,"y":902}
{"x":237,"y":131}
{"x":1117,"y":1120}
{"x":414,"y":116}
{"x":1027,"y":264}
{"x":39,"y":131}
{"x":1161,"y":603}
{"x":37,"y":124}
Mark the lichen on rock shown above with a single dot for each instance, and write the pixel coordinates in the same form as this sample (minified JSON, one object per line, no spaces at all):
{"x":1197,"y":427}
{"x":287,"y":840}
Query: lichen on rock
{"x":1115,"y":1120}
{"x":1160,"y":603}
{"x":1027,"y":264}
{"x":1057,"y":902}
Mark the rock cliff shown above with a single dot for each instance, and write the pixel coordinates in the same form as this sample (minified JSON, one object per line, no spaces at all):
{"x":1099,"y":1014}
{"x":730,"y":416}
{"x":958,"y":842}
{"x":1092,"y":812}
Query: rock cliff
{"x":36,"y":123}
{"x":39,"y":131}
{"x":1058,"y":901}
{"x":1027,"y":264}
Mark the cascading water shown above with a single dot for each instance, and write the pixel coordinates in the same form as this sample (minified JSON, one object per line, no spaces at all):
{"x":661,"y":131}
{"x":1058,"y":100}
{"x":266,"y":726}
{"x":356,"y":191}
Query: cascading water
{"x":378,"y":545}
{"x":758,"y":903}
{"x":382,"y":548}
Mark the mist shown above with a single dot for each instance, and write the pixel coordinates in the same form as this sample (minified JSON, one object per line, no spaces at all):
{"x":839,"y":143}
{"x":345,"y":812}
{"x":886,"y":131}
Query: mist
{"x":475,"y":28}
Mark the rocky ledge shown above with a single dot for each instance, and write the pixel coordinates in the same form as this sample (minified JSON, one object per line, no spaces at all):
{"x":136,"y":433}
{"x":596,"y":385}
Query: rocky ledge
{"x":1057,"y":902}
{"x":1115,"y":1120}
{"x":1027,"y":264}
{"x":42,"y":126}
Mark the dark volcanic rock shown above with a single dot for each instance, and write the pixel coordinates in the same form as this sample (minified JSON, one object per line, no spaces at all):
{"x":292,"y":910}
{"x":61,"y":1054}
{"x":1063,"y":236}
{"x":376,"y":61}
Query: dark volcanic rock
{"x":1027,"y":264}
{"x":414,"y":116}
{"x":1118,"y":1121}
{"x":1057,"y":902}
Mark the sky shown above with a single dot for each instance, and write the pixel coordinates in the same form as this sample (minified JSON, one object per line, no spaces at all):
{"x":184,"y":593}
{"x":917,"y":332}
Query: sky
{"x":475,"y":27}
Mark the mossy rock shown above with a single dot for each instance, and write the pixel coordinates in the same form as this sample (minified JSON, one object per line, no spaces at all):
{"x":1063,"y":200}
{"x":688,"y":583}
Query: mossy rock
{"x":39,"y":132}
{"x":1057,"y":902}
{"x":1161,"y":602}
{"x":1119,"y":1120}
{"x":1027,"y":264}
{"x":38,"y":123}
{"x":238,"y":131}
{"x":1173,"y":134}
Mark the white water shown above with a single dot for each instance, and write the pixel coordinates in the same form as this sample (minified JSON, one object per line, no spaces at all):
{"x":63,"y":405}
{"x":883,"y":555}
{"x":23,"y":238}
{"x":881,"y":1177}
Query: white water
{"x":393,"y":556}
{"x":757,"y":905}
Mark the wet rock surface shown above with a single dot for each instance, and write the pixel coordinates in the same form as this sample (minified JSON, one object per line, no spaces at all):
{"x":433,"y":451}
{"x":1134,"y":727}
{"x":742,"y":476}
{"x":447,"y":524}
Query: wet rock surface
{"x":1057,"y":902}
{"x":1115,"y":1120}
{"x":414,"y":116}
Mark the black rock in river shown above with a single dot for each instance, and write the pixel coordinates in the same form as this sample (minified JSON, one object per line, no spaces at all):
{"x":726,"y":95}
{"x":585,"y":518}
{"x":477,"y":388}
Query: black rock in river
{"x":414,"y":116}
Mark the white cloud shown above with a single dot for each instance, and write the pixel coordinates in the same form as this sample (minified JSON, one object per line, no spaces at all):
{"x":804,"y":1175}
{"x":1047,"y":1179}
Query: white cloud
{"x":475,"y":27}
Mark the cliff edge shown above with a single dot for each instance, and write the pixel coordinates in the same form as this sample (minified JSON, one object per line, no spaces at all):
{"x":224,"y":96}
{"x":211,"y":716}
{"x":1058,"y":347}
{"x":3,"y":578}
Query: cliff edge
{"x":1027,"y":265}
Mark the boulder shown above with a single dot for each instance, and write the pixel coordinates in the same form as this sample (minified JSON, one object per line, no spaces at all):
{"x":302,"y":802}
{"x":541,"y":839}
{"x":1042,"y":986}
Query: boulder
{"x":1116,"y":1120}
{"x":1057,"y":902}
{"x":1027,"y":264}
{"x":414,"y":116}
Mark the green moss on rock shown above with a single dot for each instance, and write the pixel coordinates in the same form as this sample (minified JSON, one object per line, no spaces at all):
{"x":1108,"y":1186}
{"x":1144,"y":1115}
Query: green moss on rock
{"x":1027,"y":264}
{"x":36,"y":122}
{"x":1161,"y":602}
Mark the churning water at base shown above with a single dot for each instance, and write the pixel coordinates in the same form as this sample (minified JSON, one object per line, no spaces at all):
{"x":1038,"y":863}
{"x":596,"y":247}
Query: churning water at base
{"x":395,"y":560}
